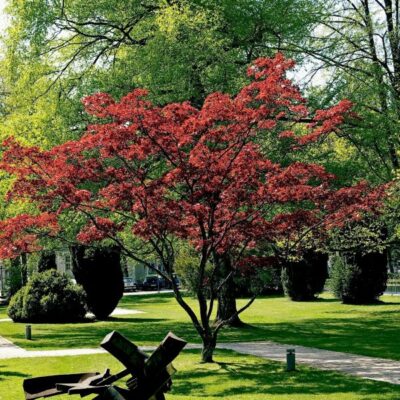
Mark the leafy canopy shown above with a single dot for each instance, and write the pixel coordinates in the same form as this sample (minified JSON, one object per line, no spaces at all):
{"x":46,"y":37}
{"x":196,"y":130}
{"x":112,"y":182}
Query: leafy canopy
{"x":178,"y":171}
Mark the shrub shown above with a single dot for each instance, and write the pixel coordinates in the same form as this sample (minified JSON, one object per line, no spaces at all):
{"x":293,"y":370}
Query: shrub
{"x":15,"y":308}
{"x":48,"y":297}
{"x":359,"y":278}
{"x":47,"y":260}
{"x":303,"y":280}
{"x":99,"y":272}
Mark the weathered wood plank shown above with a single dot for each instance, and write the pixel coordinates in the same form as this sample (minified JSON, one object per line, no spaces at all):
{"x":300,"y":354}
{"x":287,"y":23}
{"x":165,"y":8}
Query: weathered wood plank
{"x":45,"y":386}
{"x":165,"y":353}
{"x":126,"y":352}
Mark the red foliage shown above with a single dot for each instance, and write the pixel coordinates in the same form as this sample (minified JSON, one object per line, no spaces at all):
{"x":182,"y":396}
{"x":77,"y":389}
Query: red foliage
{"x":20,"y":234}
{"x":195,"y":174}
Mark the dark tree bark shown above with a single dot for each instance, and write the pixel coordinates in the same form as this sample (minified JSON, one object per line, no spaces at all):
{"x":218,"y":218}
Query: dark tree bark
{"x":24,"y":269}
{"x":209,"y":345}
{"x":227,"y":293}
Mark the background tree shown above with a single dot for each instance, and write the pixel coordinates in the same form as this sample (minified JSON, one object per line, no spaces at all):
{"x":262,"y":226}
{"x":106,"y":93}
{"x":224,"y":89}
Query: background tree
{"x":304,"y":279}
{"x":357,"y":47}
{"x":57,"y":52}
{"x":14,"y":281}
{"x":180,"y":173}
{"x":359,"y":278}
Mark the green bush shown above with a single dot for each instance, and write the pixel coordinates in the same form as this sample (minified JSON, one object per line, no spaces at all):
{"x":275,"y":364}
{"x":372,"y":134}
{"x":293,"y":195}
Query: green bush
{"x":16,"y":305}
{"x":303,"y":280}
{"x":48,"y":297}
{"x":359,"y":278}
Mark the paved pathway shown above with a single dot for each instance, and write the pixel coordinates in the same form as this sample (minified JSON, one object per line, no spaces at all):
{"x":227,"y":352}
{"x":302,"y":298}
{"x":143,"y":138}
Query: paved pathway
{"x":10,"y":350}
{"x":117,"y":311}
{"x":146,"y":292}
{"x":120,"y":311}
{"x":377,"y":369}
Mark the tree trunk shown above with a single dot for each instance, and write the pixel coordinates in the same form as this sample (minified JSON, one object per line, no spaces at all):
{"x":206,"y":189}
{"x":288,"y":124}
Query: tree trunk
{"x":24,"y":269}
{"x":226,"y":295}
{"x":209,"y":344}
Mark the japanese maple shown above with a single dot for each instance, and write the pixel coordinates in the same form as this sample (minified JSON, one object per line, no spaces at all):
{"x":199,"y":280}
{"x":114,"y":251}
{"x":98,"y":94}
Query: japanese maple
{"x":173,"y":173}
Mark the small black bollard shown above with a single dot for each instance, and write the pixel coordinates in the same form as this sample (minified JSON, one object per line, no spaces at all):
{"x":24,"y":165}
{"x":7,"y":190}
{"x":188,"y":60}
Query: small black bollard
{"x":28,"y":332}
{"x":290,"y":360}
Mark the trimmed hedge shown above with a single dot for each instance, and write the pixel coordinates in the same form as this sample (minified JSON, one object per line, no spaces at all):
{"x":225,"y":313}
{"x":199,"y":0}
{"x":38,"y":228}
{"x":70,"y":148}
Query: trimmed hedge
{"x":303,"y":280}
{"x":48,"y":297}
{"x":359,"y":278}
{"x":99,"y":271}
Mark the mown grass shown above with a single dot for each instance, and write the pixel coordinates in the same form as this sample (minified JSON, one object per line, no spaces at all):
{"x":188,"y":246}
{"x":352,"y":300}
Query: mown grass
{"x":328,"y":324}
{"x":234,"y":377}
{"x":3,"y":313}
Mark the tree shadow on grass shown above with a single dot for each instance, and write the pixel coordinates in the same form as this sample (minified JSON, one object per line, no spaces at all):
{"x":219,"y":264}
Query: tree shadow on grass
{"x":259,"y":376}
{"x":323,"y":300}
{"x":372,"y":332}
{"x":146,"y":299}
{"x":11,"y":374}
{"x":139,"y":330}
{"x":376,"y":335}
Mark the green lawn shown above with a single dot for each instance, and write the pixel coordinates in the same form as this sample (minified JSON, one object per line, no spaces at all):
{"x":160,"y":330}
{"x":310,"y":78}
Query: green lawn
{"x":3,"y":313}
{"x":235,"y":377}
{"x":368,"y":330}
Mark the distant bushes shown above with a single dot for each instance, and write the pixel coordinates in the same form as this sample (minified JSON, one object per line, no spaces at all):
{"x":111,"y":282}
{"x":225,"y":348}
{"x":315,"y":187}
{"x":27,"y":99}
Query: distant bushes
{"x":303,"y":280}
{"x":265,"y":281}
{"x":359,"y":278}
{"x":48,"y":297}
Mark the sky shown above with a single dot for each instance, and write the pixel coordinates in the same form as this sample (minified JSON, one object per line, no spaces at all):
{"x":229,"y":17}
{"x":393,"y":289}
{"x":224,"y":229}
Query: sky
{"x":3,"y":17}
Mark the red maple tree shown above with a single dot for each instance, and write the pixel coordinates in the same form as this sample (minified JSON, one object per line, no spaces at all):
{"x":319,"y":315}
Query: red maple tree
{"x":173,"y":173}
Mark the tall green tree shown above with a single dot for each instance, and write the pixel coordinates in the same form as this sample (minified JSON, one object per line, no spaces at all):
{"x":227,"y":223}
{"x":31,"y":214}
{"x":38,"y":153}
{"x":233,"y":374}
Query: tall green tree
{"x":58,"y":51}
{"x":357,"y":45}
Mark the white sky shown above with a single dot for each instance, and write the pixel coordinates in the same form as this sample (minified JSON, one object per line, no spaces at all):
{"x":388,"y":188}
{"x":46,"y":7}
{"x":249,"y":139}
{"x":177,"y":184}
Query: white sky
{"x":3,"y":16}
